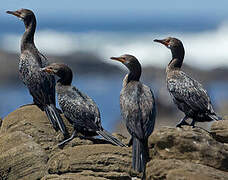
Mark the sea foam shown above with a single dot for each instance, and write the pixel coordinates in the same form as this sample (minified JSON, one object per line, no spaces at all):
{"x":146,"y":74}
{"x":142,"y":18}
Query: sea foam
{"x":207,"y":48}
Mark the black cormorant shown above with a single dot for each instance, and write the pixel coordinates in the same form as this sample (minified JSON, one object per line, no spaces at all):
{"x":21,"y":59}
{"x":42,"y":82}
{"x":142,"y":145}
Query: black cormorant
{"x":78,"y":108}
{"x":40,"y":84}
{"x":188,"y":94}
{"x":138,"y":110}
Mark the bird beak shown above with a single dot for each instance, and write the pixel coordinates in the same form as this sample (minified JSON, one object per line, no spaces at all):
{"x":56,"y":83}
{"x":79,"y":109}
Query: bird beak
{"x":48,"y":70}
{"x":162,"y":41}
{"x":118,"y":59}
{"x":15,"y":13}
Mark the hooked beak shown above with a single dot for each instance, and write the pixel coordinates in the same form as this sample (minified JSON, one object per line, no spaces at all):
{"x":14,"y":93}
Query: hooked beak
{"x":162,"y":41}
{"x":47,"y":70}
{"x":15,"y":13}
{"x":118,"y":59}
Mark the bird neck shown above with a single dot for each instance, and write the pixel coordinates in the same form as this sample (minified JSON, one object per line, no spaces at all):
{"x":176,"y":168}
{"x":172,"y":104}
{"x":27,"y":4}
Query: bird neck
{"x":135,"y":73}
{"x":177,"y":58}
{"x":28,"y":37}
{"x":66,"y":77}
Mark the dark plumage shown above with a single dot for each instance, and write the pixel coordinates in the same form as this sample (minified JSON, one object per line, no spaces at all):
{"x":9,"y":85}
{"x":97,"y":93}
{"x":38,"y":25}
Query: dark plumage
{"x":78,"y":108}
{"x":40,"y":84}
{"x":138,"y":111}
{"x":188,"y":94}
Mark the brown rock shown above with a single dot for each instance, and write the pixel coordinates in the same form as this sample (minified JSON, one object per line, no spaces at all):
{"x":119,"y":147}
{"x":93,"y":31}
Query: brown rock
{"x":34,"y":122}
{"x":171,"y":169}
{"x":85,"y":175}
{"x":219,"y":130}
{"x":71,"y":176}
{"x":105,"y":161}
{"x":187,"y":144}
{"x":21,"y":157}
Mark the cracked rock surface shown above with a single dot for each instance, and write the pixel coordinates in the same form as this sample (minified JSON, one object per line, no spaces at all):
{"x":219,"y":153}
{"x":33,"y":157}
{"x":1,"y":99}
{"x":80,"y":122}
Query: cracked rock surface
{"x":28,"y":150}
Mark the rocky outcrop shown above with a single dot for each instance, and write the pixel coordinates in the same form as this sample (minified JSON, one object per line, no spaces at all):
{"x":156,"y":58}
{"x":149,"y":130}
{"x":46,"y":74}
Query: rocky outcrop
{"x":219,"y":130}
{"x":79,"y":159}
{"x":173,"y":169}
{"x":21,"y":157}
{"x":105,"y":161}
{"x":29,"y":151}
{"x":189,"y":144}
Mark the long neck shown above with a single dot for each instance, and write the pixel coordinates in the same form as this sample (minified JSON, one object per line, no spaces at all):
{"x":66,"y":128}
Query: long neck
{"x":135,"y":73}
{"x":66,"y":77}
{"x":28,"y":37}
{"x":177,"y":58}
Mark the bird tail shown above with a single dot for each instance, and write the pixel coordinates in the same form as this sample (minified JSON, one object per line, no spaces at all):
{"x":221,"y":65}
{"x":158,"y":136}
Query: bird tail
{"x":109,"y":137}
{"x":215,"y":117}
{"x":140,"y":154}
{"x":55,"y":119}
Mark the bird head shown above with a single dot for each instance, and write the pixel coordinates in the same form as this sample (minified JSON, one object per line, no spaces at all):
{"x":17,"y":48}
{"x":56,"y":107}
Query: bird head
{"x":132,"y":64}
{"x":53,"y":68}
{"x":127,"y":60}
{"x":170,"y":42}
{"x":25,"y":15}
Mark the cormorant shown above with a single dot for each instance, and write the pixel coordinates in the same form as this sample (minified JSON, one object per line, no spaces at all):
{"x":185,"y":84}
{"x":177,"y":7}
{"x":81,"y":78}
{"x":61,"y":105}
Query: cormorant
{"x":138,"y":110}
{"x":78,"y":108}
{"x":40,"y":84}
{"x":188,"y":94}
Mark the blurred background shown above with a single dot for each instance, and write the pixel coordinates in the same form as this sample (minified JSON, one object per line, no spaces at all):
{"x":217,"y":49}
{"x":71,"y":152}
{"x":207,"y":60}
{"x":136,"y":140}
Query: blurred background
{"x":85,"y":34}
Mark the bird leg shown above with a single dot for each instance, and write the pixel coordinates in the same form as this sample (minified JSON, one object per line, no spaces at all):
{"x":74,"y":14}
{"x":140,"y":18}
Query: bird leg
{"x":193,"y":123}
{"x":183,"y":122}
{"x":67,"y":140}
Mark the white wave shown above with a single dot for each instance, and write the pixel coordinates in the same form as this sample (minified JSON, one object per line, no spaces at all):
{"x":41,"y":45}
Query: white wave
{"x":207,"y":48}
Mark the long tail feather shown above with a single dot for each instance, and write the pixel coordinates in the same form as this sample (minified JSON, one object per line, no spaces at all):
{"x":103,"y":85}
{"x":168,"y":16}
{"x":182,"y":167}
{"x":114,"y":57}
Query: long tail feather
{"x":109,"y":137}
{"x":215,"y":117}
{"x":139,"y":155}
{"x":52,"y":120}
{"x":56,"y":120}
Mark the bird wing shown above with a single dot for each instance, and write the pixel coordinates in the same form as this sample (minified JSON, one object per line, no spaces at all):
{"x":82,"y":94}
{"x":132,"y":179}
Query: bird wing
{"x":148,"y":108}
{"x":138,"y":110}
{"x":40,"y":84}
{"x":187,"y":90}
{"x":51,"y":78}
{"x":44,"y":60}
{"x":80,"y":109}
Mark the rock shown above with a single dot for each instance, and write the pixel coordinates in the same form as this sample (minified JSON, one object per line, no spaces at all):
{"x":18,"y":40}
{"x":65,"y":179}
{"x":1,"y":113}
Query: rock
{"x":93,"y":159}
{"x":172,"y":169}
{"x":29,"y":150}
{"x":72,"y":176}
{"x":188,"y":144}
{"x":105,"y":161}
{"x":219,"y":130}
{"x":21,"y":157}
{"x":34,"y":122}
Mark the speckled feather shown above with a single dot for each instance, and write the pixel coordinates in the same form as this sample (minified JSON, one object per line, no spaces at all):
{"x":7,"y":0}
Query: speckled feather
{"x":138,"y":109}
{"x":40,"y":84}
{"x":190,"y":96}
{"x":79,"y":108}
